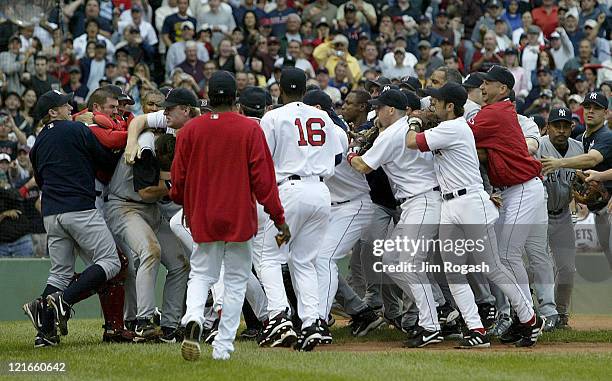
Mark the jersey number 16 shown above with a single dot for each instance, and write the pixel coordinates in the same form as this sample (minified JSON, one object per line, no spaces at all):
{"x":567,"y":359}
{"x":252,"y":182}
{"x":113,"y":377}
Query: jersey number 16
{"x":314,"y":132}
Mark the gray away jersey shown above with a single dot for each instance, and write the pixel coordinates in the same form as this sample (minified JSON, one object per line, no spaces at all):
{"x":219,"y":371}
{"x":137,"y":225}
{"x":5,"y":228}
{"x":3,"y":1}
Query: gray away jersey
{"x":559,"y":183}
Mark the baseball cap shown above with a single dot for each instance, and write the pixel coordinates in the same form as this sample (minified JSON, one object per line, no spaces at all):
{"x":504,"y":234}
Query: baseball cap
{"x":534,"y":29}
{"x":265,"y":22}
{"x":74,"y":69}
{"x":323,"y":21}
{"x":322,"y":70}
{"x":390,"y":97}
{"x":580,"y":77}
{"x":222,"y":82}
{"x":543,"y":70}
{"x":576,"y":98}
{"x":499,"y":74}
{"x":118,"y":93}
{"x":450,"y":93}
{"x":293,"y":79}
{"x":380,"y":82}
{"x":590,"y":24}
{"x":100,"y":44}
{"x":181,"y":96}
{"x":187,"y":24}
{"x":318,"y":97}
{"x":412,"y":83}
{"x":597,"y":98}
{"x":23,"y":147}
{"x":350,"y":7}
{"x":511,"y":51}
{"x":423,"y":43}
{"x":572,"y":12}
{"x":493,"y":4}
{"x":364,"y":35}
{"x":49,"y":100}
{"x":340,"y":39}
{"x":253,"y":97}
{"x":442,"y":13}
{"x":546,"y":93}
{"x":424,"y":18}
{"x":5,"y":156}
{"x":555,"y":35}
{"x":273,"y":40}
{"x":136,"y":8}
{"x":472,"y":81}
{"x":414,"y":101}
{"x":560,"y":113}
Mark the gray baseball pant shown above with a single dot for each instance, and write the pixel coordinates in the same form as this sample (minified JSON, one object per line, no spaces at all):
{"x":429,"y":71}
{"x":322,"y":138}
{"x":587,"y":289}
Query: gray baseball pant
{"x":602,"y":225}
{"x":562,"y":241}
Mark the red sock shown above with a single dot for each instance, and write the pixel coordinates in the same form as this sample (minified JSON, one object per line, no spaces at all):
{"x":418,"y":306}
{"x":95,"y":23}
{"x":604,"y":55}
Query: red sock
{"x":533,"y":320}
{"x":480,"y":330}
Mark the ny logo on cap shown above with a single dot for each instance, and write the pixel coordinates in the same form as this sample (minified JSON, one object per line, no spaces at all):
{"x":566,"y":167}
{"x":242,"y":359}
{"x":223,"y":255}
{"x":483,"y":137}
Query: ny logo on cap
{"x":57,"y":92}
{"x":386,"y":88}
{"x":593,"y":96}
{"x":561,"y":112}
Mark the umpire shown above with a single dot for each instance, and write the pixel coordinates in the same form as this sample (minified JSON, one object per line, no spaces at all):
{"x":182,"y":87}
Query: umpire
{"x":65,"y":158}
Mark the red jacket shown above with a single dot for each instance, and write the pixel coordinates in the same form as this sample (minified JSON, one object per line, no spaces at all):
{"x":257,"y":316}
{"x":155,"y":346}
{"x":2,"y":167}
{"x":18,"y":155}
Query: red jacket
{"x":496,"y":129}
{"x":222,"y":164}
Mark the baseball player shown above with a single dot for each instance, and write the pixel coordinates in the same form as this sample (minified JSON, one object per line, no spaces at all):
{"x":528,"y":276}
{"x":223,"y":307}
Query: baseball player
{"x":561,"y":238}
{"x":416,"y":189}
{"x":597,"y":155}
{"x":513,"y":172}
{"x":64,"y":158}
{"x":467,"y":213}
{"x":305,"y":147}
{"x":204,"y":182}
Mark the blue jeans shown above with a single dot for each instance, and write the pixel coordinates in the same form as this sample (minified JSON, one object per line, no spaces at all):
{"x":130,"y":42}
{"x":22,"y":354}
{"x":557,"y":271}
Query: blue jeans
{"x":19,"y":249}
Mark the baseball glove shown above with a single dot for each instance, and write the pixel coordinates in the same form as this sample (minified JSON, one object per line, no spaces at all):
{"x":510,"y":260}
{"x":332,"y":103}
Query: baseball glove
{"x":591,"y":193}
{"x":428,"y":119}
{"x":164,"y":150}
{"x":362,"y":141}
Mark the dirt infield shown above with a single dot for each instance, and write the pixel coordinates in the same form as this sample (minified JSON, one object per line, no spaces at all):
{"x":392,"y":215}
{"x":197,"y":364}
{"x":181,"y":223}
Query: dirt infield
{"x":591,"y":322}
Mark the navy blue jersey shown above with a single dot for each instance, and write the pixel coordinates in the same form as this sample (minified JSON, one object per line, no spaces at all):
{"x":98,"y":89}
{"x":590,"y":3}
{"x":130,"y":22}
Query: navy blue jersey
{"x":601,"y":141}
{"x":65,"y":157}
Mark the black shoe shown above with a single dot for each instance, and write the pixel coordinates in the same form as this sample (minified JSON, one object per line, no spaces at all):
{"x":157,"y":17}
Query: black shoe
{"x":451,"y":331}
{"x":249,"y":334}
{"x":330,"y":320}
{"x":550,"y":323}
{"x":42,"y":341}
{"x":146,"y":330}
{"x":190,"y":348}
{"x":530,"y":333}
{"x":33,"y":310}
{"x":111,"y":335}
{"x":130,"y":325}
{"x":394,"y":322}
{"x":309,"y":338}
{"x":487,"y":314}
{"x":512,"y":334}
{"x":278,"y":332}
{"x":326,"y":337}
{"x":366,"y":321}
{"x":171,"y":335}
{"x":422,"y":338}
{"x":501,"y":327}
{"x":563,"y":322}
{"x":474,"y":339}
{"x":447,"y":314}
{"x":210,"y":334}
{"x":61,"y":309}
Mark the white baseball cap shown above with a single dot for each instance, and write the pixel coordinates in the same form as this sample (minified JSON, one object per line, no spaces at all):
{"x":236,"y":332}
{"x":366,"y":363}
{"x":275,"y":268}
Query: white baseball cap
{"x":575,"y":98}
{"x":4,"y":156}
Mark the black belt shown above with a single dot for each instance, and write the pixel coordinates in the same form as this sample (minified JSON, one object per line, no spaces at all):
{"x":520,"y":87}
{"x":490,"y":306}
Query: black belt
{"x":294,"y":177}
{"x":339,"y":202}
{"x":98,"y":193}
{"x":450,"y":196}
{"x":400,"y":201}
{"x":555,"y":212}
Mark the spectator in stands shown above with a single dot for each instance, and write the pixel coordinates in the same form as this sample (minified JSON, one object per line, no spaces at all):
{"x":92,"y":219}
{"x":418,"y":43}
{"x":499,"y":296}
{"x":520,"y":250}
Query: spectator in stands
{"x":561,"y":47}
{"x":137,"y":5}
{"x":590,"y":10}
{"x":15,"y":240}
{"x":278,"y":17}
{"x":585,"y":56}
{"x":255,"y":67}
{"x":424,"y":34}
{"x":250,"y":26}
{"x":228,"y":58}
{"x":527,"y":21}
{"x":319,"y":9}
{"x":399,"y":70}
{"x":342,"y":79}
{"x":292,"y":32}
{"x":27,"y":111}
{"x":246,"y":6}
{"x":79,"y":17}
{"x":79,"y":100}
{"x":546,"y":17}
{"x":501,"y":35}
{"x":172,"y":28}
{"x":330,"y":53}
{"x":581,"y":85}
{"x":10,"y":119}
{"x":92,"y":69}
{"x":370,"y":58}
{"x":294,"y":51}
{"x":176,"y":52}
{"x":442,"y":27}
{"x":546,"y":62}
{"x":522,"y":78}
{"x":531,"y":51}
{"x":12,"y":64}
{"x":365,"y":12}
{"x":512,"y":15}
{"x":136,"y":22}
{"x":192,"y":65}
{"x":138,"y":50}
{"x":545,"y":82}
{"x":351,"y":27}
{"x":40,"y":81}
{"x":487,"y":22}
{"x":488,"y":56}
{"x":572,"y":28}
{"x":219,"y":19}
{"x":92,"y":34}
{"x":601,"y":46}
{"x":431,"y":62}
{"x":323,"y":79}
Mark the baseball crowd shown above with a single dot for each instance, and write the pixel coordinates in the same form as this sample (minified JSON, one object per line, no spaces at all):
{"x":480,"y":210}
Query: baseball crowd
{"x":531,"y":80}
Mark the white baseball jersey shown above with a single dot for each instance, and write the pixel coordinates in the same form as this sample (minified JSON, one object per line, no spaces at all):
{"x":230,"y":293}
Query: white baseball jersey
{"x":470,"y":109}
{"x":530,"y":128}
{"x":157,"y":119}
{"x":302,"y":139}
{"x":346,"y":184}
{"x":559,"y":183}
{"x":410,"y":172}
{"x":455,"y":157}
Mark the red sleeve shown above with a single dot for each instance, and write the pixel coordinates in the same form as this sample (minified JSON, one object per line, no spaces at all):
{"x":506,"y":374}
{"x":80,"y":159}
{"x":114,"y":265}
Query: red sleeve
{"x":483,"y":126}
{"x":262,"y":176}
{"x":110,"y":138}
{"x":422,"y":142}
{"x":179,"y":168}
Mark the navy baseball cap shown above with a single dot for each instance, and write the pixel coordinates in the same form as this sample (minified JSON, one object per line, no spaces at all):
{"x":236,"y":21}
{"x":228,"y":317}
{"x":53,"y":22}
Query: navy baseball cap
{"x":390,"y":97}
{"x":499,"y":74}
{"x":119,"y":94}
{"x":318,"y":97}
{"x":380,"y":82}
{"x":450,"y":93}
{"x":49,"y":100}
{"x":472,"y":81}
{"x":253,"y":97}
{"x":293,"y":80}
{"x":412,"y":83}
{"x":414,"y":101}
{"x":182,"y":97}
{"x":596,"y":98}
{"x":222,"y":82}
{"x":560,"y":113}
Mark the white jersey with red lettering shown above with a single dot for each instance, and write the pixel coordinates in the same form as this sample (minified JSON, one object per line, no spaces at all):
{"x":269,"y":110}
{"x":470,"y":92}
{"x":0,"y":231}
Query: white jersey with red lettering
{"x":302,"y":139}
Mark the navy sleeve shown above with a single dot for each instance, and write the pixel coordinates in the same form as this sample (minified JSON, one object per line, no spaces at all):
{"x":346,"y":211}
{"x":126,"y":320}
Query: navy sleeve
{"x":146,"y":171}
{"x":102,"y":158}
{"x":603,"y":144}
{"x":167,"y":27}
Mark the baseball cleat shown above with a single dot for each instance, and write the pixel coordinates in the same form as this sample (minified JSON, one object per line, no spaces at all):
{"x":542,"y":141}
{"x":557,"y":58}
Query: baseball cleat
{"x":452,"y":331}
{"x":326,"y":337}
{"x":210,"y":334}
{"x":277,"y":332}
{"x":423,"y":338}
{"x":331,"y":320}
{"x":146,"y":330}
{"x":530,"y":333}
{"x":171,"y":335}
{"x":501,"y":326}
{"x":474,"y":339}
{"x":249,"y":334}
{"x":61,"y":309}
{"x":365,"y":322}
{"x":220,"y":355}
{"x":190,"y":348}
{"x":111,"y":335}
{"x":447,"y":314}
{"x":42,"y":340}
{"x":563,"y":322}
{"x":487,"y":314}
{"x":309,"y":338}
{"x":32,"y":310}
{"x":550,"y":323}
{"x":395,"y":322}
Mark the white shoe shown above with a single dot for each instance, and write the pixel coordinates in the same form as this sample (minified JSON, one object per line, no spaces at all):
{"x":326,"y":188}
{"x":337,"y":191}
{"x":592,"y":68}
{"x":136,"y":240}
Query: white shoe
{"x":220,"y":354}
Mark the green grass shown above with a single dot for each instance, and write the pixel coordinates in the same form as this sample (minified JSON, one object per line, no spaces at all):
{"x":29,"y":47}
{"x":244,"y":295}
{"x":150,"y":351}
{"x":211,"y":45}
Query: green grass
{"x":88,"y":359}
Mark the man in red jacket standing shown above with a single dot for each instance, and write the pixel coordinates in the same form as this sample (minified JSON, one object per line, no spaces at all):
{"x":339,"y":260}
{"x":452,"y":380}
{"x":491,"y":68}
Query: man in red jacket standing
{"x":514,"y":173}
{"x":222,"y":165}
